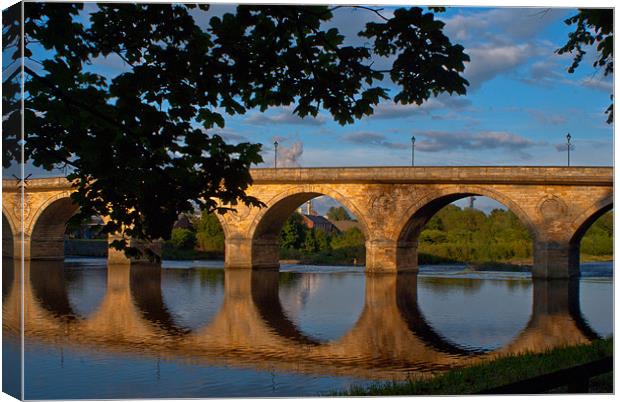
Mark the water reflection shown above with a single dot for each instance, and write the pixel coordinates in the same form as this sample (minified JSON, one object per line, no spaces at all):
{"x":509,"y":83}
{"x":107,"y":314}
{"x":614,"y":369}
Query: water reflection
{"x":324,"y":307}
{"x":265,"y":296}
{"x":407,"y":300}
{"x":145,"y":288}
{"x":248,"y":325}
{"x":49,"y":282}
{"x":8,"y":273}
{"x":473,"y":314}
{"x":193,"y":296}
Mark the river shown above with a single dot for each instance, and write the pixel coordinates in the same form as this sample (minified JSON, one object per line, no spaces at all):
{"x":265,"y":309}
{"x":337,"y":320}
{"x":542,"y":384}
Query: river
{"x":194,"y":330}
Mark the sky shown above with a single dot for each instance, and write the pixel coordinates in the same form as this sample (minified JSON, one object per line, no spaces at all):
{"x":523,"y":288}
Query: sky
{"x":519,"y":106}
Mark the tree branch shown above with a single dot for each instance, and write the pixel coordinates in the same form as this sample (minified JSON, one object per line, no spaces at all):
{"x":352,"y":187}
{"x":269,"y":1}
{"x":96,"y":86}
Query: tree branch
{"x":67,"y":98}
{"x":374,"y":10}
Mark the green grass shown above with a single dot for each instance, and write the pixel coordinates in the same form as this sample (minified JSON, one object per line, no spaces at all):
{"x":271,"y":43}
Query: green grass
{"x":502,"y":371}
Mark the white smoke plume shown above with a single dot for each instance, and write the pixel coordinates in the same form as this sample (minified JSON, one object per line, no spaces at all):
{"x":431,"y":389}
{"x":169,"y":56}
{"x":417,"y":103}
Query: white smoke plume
{"x":289,"y":156}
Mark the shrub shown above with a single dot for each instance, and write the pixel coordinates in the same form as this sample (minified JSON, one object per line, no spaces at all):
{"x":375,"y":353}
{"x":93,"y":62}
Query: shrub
{"x":183,"y":238}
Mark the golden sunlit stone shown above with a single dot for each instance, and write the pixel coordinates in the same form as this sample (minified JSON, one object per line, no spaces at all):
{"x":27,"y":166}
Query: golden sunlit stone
{"x":556,"y":204}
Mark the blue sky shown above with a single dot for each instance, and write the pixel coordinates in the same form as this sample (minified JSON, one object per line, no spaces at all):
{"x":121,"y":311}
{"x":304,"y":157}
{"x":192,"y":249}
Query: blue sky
{"x":518,"y":109}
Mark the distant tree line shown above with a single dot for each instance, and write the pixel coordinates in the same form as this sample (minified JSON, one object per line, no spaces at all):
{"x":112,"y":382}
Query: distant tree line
{"x":338,"y":214}
{"x":469,"y":235}
{"x":599,"y":239}
{"x":454,"y":234}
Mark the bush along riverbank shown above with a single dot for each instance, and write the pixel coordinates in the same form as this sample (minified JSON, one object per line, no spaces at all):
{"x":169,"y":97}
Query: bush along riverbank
{"x":502,"y":371}
{"x":483,"y":242}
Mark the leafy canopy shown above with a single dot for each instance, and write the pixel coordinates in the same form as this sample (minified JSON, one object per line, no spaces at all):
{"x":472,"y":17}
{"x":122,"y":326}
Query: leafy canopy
{"x":593,"y":26}
{"x":140,"y":143}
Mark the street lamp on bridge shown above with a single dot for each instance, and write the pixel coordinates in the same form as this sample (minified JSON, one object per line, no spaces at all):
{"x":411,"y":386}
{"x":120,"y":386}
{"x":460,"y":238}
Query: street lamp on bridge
{"x":568,"y":137}
{"x":412,"y":150}
{"x":275,"y":161}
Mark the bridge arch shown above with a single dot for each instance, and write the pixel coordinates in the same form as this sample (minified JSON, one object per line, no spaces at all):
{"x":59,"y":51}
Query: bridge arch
{"x":265,"y":228}
{"x":423,"y":209}
{"x":224,"y":224}
{"x":48,"y":225}
{"x":582,"y":223}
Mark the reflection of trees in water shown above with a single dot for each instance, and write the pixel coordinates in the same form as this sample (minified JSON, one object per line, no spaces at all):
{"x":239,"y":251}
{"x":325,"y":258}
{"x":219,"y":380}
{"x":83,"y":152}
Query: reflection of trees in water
{"x":288,"y":280}
{"x":211,"y":278}
{"x":519,"y":284}
{"x":444,"y":285}
{"x":448,"y":285}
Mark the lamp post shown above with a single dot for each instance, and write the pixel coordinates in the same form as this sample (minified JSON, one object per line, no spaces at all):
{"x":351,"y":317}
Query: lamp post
{"x":275,"y":162}
{"x":568,"y":137}
{"x":412,"y":150}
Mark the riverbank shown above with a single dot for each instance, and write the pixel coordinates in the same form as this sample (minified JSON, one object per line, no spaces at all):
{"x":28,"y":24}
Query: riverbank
{"x":499,"y":372}
{"x":341,"y":257}
{"x":524,"y":265}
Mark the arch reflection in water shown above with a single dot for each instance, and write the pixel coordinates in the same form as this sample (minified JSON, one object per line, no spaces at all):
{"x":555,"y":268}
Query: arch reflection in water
{"x":324,"y":306}
{"x":391,"y":338}
{"x":88,"y":286}
{"x":49,"y":282}
{"x":192,"y":296}
{"x":460,"y":307}
{"x":531,"y":315}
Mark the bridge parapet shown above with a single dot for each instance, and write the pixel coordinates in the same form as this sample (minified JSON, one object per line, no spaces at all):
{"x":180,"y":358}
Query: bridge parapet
{"x":591,"y":176}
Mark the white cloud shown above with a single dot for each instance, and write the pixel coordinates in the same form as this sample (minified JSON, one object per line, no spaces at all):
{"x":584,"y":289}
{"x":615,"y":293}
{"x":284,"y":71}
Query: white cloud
{"x":390,"y":109}
{"x":489,"y":61}
{"x":562,"y":147}
{"x":547,"y":117}
{"x":442,"y":141}
{"x":232,"y":136}
{"x":283,"y":115}
{"x":373,"y":139}
{"x":604,"y":84}
{"x":439,"y":141}
{"x":504,"y":24}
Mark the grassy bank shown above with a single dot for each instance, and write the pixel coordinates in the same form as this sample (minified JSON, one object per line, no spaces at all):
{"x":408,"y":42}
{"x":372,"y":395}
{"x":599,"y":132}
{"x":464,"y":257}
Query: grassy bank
{"x":499,"y":372}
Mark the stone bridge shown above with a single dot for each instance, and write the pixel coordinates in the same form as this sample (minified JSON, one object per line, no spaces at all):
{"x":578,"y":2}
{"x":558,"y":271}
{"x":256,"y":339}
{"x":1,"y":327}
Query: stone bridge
{"x":556,"y":204}
{"x":132,"y":317}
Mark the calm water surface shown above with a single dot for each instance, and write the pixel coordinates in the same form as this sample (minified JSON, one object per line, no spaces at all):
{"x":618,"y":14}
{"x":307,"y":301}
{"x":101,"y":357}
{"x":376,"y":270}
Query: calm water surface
{"x":194,"y":330}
